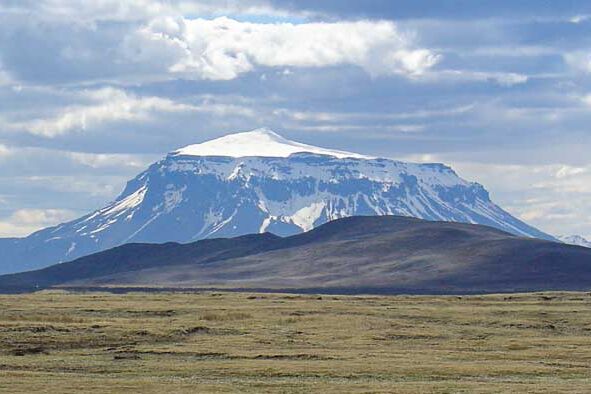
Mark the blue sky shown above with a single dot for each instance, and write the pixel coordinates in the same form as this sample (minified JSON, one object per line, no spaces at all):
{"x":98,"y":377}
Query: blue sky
{"x":92,"y":92}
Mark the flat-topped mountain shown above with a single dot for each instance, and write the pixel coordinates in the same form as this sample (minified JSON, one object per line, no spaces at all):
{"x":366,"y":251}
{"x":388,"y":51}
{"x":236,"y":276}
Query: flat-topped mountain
{"x":374,"y":254}
{"x":255,"y":182}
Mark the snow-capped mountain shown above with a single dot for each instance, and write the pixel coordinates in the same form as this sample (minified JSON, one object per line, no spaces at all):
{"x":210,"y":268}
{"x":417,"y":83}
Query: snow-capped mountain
{"x":254,"y":182}
{"x":574,"y":240}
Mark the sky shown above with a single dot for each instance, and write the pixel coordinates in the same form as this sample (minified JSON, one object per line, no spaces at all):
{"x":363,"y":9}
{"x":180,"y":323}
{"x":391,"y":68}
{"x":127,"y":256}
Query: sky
{"x":93,"y":92}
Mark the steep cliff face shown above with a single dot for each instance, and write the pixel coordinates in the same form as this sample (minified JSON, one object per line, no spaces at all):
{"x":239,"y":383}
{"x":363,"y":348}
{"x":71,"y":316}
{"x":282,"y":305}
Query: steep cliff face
{"x":259,"y":182}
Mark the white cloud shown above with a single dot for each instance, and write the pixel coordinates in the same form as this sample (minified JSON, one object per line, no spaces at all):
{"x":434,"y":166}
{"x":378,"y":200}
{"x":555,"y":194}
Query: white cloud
{"x":223,"y":48}
{"x":43,"y":216}
{"x":112,"y":105}
{"x":105,"y":160}
{"x":432,"y":113}
{"x":313,"y":116}
{"x":5,"y":78}
{"x":586,"y":99}
{"x":43,"y":161}
{"x":579,"y":18}
{"x":578,"y":60}
{"x":25,"y":221}
{"x":382,"y":132}
{"x":339,"y":117}
{"x":108,"y":105}
{"x":501,"y":78}
{"x":509,"y":79}
{"x":568,"y":171}
{"x":4,"y":151}
{"x":102,"y":187}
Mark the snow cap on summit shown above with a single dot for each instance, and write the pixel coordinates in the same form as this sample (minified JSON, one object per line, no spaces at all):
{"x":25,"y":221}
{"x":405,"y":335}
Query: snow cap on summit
{"x":261,"y":142}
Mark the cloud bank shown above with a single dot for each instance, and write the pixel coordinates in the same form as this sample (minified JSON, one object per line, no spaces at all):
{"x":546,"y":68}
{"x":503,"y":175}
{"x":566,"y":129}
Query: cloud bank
{"x":24,"y":221}
{"x":107,"y":105}
{"x":223,"y":48}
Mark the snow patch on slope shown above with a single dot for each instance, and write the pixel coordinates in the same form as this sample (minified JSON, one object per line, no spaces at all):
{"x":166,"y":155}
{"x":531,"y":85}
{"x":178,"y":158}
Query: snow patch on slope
{"x":129,"y":202}
{"x":305,"y":217}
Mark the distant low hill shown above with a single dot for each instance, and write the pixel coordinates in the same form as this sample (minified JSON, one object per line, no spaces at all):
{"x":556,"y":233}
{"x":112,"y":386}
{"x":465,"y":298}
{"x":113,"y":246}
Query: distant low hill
{"x":574,"y":240}
{"x":363,"y":254}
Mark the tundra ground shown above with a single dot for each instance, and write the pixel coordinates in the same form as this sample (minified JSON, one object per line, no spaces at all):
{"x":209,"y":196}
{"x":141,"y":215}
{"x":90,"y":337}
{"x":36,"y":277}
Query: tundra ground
{"x":60,"y":342}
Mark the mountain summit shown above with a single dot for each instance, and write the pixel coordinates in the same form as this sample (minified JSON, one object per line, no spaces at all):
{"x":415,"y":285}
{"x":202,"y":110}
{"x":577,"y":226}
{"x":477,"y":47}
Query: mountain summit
{"x":261,"y":142}
{"x":256,"y":182}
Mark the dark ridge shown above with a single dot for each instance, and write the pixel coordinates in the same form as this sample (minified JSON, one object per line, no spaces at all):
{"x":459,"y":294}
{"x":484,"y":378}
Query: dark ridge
{"x":137,"y":256}
{"x":373,"y":254}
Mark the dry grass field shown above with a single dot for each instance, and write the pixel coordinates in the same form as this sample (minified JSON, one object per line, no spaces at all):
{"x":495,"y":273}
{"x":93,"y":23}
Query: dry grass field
{"x":59,"y":342}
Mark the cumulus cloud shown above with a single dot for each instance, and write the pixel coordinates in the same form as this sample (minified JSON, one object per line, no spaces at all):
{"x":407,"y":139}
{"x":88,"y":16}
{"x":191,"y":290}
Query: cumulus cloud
{"x":163,"y":40}
{"x":224,"y":48}
{"x":24,"y":221}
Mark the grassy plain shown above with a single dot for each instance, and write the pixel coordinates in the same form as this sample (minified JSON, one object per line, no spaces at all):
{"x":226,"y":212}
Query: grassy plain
{"x":59,"y":342}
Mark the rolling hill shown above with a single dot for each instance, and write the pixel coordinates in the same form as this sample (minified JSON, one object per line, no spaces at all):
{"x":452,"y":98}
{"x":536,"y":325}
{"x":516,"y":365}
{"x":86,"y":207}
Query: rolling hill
{"x":374,"y":254}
